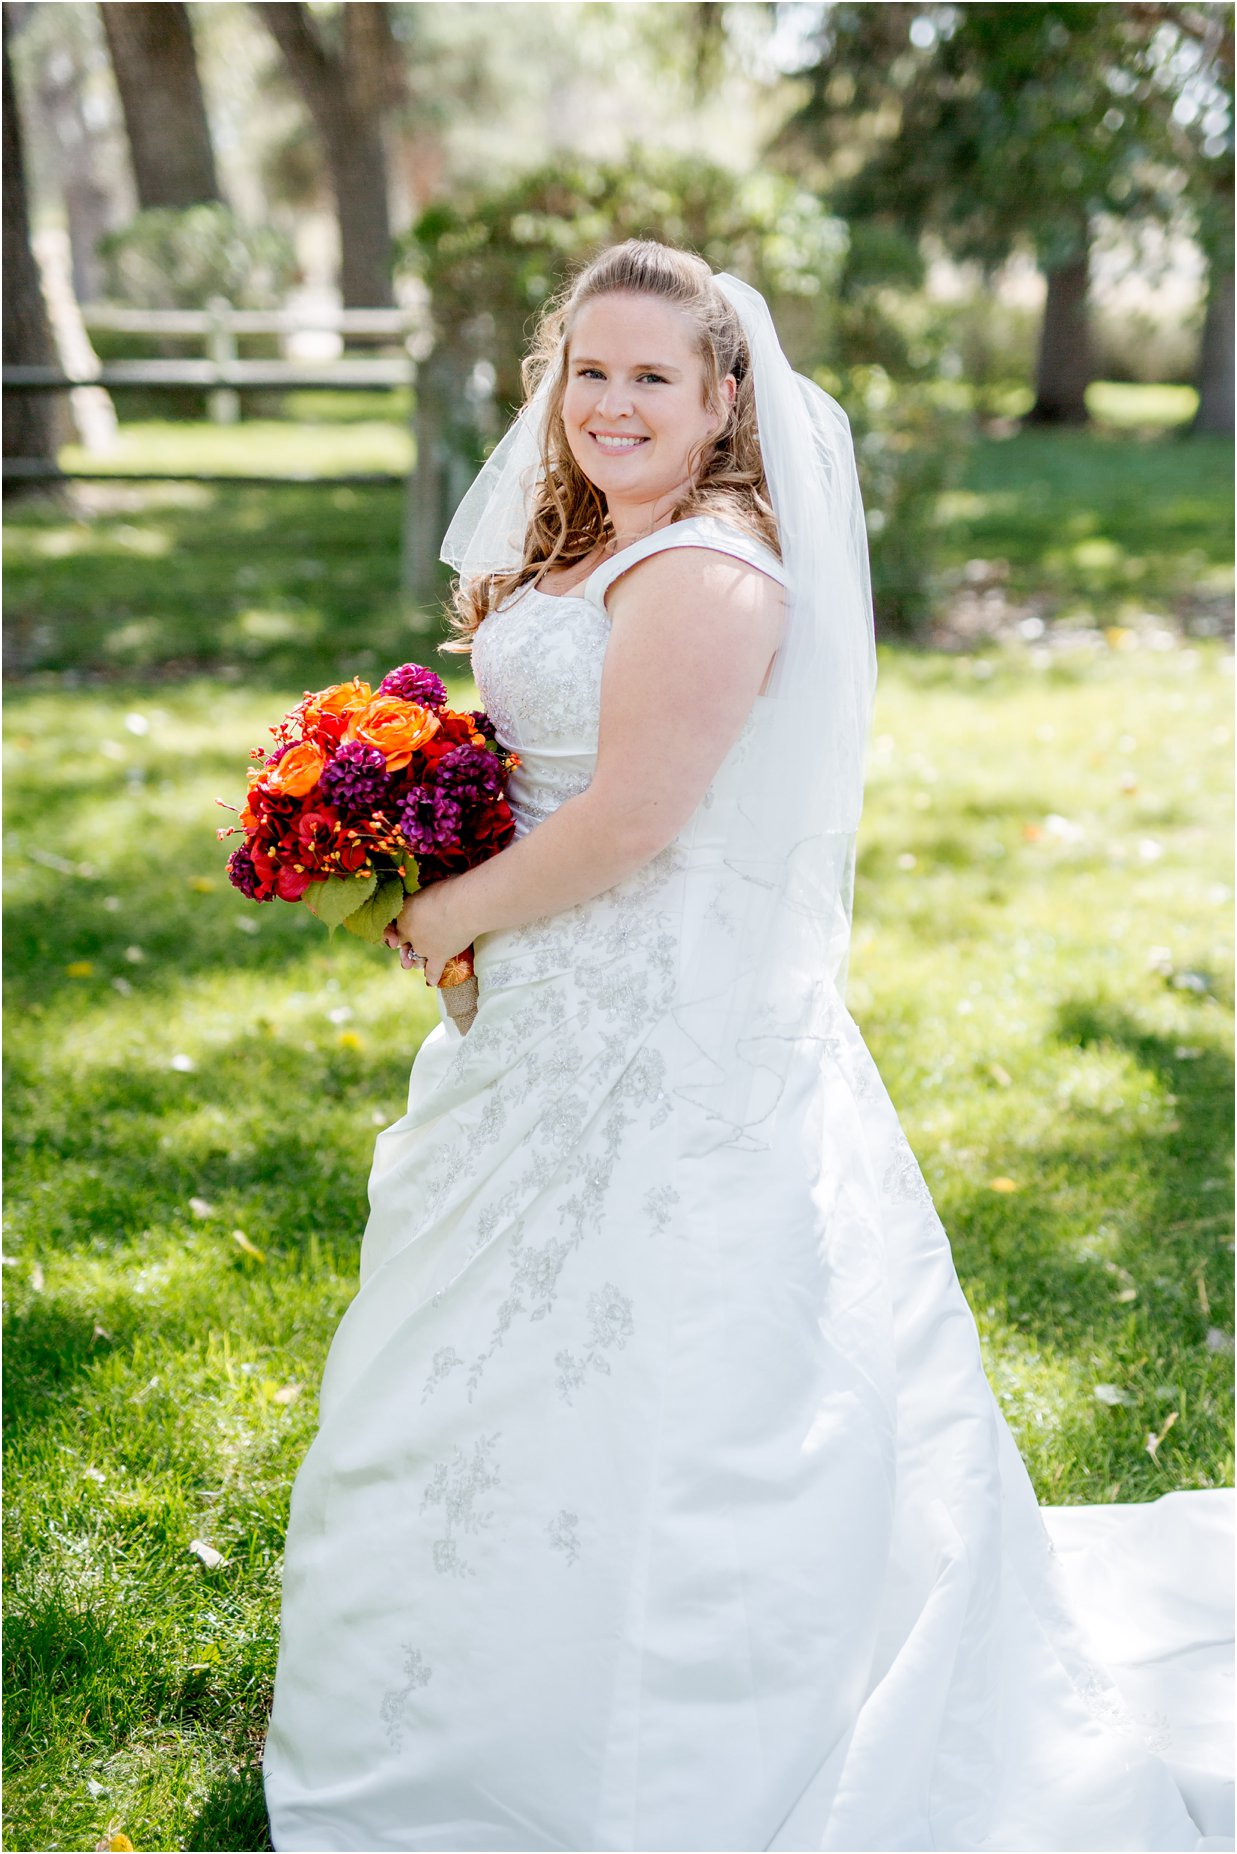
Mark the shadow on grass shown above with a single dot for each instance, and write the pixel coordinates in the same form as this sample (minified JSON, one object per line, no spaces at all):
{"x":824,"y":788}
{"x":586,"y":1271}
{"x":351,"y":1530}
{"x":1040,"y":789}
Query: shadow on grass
{"x":1021,"y":1253}
{"x":233,"y":1816}
{"x":1173,"y":1165}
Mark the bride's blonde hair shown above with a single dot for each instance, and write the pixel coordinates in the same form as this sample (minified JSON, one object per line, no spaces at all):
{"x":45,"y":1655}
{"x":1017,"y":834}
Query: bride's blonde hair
{"x":568,"y":518}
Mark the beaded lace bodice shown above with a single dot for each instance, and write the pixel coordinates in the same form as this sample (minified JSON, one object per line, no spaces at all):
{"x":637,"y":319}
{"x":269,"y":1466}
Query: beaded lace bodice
{"x":538,"y":660}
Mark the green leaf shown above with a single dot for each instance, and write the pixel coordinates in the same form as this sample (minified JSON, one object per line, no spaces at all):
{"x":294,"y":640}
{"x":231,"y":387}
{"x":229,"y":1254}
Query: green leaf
{"x":412,"y":879}
{"x":369,"y":920}
{"x":338,"y":896}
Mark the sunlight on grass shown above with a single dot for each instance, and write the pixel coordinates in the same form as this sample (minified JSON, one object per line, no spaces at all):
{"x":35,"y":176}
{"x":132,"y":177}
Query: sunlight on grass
{"x":255,"y":447}
{"x":1129,"y":403}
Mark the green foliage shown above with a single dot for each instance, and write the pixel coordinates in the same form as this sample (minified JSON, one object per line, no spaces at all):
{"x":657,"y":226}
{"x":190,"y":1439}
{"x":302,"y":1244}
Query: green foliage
{"x":179,"y":257}
{"x":1000,"y":125}
{"x":491,"y":261}
{"x":374,"y":916}
{"x":333,"y":901}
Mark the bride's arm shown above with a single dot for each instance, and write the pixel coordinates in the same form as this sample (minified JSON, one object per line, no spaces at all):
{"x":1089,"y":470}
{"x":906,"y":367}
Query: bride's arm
{"x":692,"y":634}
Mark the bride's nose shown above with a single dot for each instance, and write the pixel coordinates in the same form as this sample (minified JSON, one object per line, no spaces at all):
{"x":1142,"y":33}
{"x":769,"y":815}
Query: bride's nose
{"x":615,"y":401}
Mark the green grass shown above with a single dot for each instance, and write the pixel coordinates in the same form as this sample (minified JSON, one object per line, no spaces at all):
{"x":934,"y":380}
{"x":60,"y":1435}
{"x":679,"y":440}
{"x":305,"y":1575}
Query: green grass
{"x":1041,"y":969}
{"x":1100,"y":524}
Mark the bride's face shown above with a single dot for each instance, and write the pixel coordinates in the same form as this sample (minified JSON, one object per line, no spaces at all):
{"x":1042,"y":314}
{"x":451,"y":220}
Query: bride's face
{"x":634,"y":407}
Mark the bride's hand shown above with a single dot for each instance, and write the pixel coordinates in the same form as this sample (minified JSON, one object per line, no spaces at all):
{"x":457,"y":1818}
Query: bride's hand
{"x":428,"y":924}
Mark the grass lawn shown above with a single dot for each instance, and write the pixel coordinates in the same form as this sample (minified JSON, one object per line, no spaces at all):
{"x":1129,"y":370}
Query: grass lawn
{"x":1041,"y":968}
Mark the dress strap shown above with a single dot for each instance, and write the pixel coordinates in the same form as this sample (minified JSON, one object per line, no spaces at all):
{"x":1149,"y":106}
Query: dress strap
{"x":697,"y":531}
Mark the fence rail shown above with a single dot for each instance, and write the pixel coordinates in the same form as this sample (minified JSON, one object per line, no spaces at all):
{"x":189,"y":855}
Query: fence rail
{"x":396,"y":324}
{"x":359,"y":375}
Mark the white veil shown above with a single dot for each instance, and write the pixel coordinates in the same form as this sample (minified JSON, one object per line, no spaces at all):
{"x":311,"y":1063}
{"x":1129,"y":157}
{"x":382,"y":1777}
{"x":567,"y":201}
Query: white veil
{"x":774,"y":977}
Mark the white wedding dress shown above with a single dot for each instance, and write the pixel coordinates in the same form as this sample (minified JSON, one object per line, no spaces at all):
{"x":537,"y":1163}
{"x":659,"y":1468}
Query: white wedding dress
{"x":659,"y":1499}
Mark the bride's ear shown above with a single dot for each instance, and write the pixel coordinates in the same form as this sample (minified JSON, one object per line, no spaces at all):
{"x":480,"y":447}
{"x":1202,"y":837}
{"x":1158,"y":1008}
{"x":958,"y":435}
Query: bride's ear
{"x":729,"y":388}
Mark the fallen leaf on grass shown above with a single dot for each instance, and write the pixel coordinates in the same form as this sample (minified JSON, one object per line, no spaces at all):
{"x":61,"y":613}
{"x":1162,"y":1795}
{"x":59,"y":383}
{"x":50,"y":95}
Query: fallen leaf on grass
{"x":1218,"y":1341}
{"x":200,"y":1207}
{"x":36,"y":1278}
{"x":80,"y":968}
{"x":211,"y":1558}
{"x":1001,"y":1076}
{"x":246,"y":1247}
{"x":348,"y":1039}
{"x":202,"y":885}
{"x":114,"y":1844}
{"x":1003,"y":1184}
{"x":286,"y":1393}
{"x":1111,"y":1394}
{"x":1153,"y":1441}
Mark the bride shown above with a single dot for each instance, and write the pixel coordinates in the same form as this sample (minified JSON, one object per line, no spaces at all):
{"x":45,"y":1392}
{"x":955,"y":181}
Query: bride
{"x":659,"y":1498}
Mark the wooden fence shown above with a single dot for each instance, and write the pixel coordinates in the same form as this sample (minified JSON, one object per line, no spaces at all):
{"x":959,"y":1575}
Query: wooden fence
{"x":431,"y":487}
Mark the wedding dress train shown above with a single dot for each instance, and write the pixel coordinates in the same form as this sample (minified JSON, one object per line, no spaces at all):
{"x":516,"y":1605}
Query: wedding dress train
{"x":659,"y":1499}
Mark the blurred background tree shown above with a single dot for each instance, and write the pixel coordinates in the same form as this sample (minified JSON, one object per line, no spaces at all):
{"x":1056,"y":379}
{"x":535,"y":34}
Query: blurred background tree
{"x":155,"y":64}
{"x":999,"y":127}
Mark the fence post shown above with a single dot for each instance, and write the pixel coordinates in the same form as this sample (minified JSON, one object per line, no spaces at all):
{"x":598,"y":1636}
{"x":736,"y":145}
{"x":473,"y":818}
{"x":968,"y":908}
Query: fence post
{"x":225,"y":405}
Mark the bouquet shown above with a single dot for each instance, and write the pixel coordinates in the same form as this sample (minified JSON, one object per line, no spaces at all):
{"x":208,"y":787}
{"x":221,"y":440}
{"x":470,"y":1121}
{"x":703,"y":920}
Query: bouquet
{"x":368,"y":797}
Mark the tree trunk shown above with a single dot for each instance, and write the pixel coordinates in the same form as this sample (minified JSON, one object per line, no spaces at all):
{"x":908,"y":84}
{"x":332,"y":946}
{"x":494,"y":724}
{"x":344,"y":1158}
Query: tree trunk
{"x":1215,"y":362}
{"x":30,"y":419}
{"x":151,"y":47}
{"x":1063,"y":366}
{"x":345,"y":92}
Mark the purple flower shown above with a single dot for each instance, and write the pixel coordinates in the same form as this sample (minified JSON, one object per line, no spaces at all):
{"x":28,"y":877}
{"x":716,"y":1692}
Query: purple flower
{"x":413,"y":684}
{"x":470,"y":774}
{"x":273,"y":759}
{"x":243,"y":875}
{"x":356,"y":781}
{"x":429,"y":819}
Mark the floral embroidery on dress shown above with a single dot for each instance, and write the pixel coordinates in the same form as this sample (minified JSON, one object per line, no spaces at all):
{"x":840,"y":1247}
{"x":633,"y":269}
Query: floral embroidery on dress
{"x":658,"y":1200}
{"x":609,"y":1313}
{"x":562,"y":1531}
{"x":455,"y":1487}
{"x":391,"y":1710}
{"x":903,"y":1179}
{"x":444,"y":1363}
{"x":537,"y":661}
{"x":1105,"y":1703}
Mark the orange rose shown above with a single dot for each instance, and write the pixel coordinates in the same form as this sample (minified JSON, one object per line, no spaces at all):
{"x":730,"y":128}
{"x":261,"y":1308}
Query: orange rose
{"x":298,"y":770}
{"x":327,"y":712}
{"x":395,"y":727}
